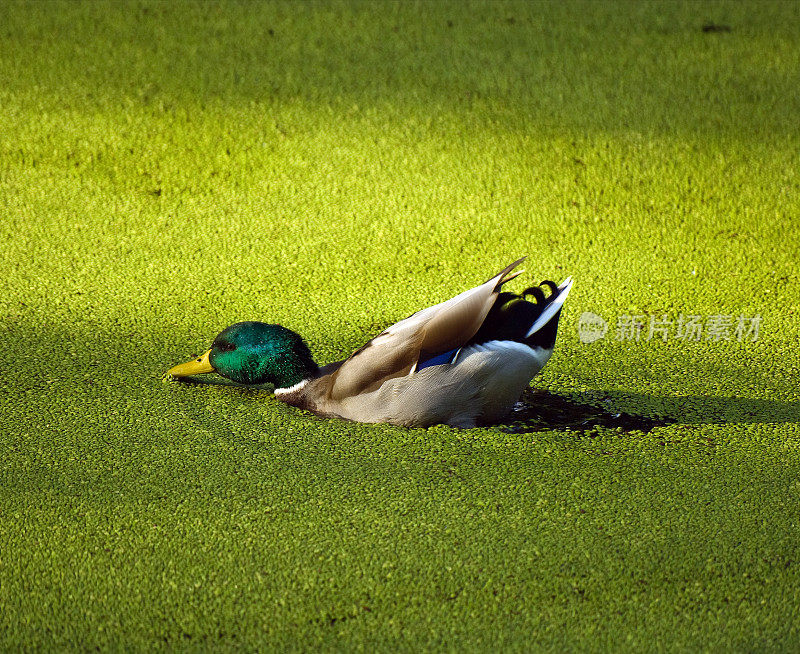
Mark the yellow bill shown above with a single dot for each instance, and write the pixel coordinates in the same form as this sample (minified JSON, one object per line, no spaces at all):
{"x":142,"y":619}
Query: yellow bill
{"x":197,"y":366}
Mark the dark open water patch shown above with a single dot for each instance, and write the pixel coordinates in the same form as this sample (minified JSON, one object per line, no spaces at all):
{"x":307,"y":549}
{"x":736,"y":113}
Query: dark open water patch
{"x":540,"y":410}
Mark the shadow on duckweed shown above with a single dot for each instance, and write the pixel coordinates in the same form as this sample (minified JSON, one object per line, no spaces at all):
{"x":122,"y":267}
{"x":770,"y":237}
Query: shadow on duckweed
{"x":540,"y":410}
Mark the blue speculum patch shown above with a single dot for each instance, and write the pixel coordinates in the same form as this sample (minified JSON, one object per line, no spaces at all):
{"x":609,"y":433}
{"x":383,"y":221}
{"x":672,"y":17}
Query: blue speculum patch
{"x":438,"y":360}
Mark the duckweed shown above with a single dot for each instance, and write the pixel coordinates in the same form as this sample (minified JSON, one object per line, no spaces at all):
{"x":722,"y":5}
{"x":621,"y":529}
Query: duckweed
{"x":167,"y":169}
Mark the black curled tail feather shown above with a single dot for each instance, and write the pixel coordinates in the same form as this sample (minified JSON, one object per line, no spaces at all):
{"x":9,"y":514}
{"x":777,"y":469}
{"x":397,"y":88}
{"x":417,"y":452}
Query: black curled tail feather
{"x":537,"y":293}
{"x":513,"y":316}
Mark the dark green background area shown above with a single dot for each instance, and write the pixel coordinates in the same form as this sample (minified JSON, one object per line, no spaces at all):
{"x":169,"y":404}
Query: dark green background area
{"x":167,"y":169}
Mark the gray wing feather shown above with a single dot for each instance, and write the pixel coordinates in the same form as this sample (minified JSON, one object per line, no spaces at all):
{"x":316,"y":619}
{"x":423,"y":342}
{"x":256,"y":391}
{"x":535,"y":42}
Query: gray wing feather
{"x":431,"y":331}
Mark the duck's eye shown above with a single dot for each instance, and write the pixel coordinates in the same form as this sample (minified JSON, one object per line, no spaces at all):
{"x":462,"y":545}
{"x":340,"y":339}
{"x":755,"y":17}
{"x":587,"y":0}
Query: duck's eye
{"x":225,"y":347}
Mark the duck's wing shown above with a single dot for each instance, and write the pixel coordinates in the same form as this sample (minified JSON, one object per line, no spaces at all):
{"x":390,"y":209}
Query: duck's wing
{"x":439,"y":329}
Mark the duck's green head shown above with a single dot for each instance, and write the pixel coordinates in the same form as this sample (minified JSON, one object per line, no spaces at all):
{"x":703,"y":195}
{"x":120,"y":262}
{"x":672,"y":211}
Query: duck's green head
{"x":254,"y":353}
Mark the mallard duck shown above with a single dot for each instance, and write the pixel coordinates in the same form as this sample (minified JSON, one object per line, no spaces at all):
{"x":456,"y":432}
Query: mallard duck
{"x":462,"y":362}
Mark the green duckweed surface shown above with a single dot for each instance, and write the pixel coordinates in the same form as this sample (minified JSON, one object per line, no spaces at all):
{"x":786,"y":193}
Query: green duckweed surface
{"x":167,"y":169}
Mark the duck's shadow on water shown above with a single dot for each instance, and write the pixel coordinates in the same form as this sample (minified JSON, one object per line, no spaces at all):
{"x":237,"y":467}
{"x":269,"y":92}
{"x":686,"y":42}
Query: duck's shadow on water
{"x":540,"y":410}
